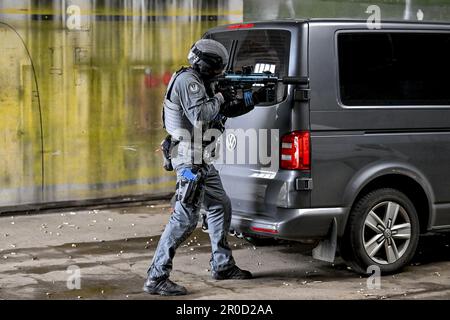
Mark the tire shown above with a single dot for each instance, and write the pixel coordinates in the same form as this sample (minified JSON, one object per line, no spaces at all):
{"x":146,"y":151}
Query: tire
{"x":371,"y":239}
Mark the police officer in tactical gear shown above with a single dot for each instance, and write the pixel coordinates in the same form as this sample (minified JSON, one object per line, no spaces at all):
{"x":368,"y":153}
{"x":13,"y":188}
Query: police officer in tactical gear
{"x":190,"y":104}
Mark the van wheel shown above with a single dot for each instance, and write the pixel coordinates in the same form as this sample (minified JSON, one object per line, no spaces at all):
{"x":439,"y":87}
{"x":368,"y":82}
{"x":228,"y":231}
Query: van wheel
{"x":382,"y":230}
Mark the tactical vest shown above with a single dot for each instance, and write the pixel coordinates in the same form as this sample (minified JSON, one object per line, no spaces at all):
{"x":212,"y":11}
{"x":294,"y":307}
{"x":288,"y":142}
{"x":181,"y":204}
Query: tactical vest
{"x":173,"y":115}
{"x":185,"y":152}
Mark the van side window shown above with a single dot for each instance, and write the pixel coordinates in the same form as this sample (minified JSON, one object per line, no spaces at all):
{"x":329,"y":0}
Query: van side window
{"x":394,"y":68}
{"x":264,"y":50}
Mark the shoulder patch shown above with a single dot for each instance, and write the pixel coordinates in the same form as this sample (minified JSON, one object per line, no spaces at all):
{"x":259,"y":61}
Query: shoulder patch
{"x":194,"y":87}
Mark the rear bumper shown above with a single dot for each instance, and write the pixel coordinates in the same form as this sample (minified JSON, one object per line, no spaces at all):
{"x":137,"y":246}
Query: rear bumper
{"x":290,"y":224}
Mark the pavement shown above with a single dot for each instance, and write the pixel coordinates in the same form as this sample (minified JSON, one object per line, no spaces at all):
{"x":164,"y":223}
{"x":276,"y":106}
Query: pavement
{"x":104,"y":253}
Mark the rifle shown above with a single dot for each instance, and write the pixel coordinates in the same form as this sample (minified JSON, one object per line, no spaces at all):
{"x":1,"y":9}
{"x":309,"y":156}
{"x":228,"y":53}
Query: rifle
{"x":247,"y":80}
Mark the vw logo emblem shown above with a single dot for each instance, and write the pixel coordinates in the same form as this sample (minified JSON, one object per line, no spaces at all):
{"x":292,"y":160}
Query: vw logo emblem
{"x":231,"y":142}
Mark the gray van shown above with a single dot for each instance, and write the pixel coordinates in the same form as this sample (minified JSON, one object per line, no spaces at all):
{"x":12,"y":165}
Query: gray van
{"x":364,"y":144}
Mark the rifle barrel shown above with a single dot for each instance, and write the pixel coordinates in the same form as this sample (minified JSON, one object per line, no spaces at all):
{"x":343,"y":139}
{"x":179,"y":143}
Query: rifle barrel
{"x":257,"y":78}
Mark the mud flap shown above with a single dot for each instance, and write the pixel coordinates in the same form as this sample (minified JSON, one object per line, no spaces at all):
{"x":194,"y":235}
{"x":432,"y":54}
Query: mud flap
{"x":326,"y":249}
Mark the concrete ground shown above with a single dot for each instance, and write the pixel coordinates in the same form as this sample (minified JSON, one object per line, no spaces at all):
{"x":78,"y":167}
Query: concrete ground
{"x":113,"y":247}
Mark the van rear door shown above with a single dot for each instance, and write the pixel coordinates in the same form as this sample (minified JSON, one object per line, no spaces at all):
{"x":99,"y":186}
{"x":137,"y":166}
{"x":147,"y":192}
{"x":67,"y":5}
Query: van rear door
{"x":249,"y":161}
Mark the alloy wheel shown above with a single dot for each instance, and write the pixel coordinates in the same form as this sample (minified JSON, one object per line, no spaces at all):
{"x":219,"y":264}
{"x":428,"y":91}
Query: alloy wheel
{"x":386,"y":232}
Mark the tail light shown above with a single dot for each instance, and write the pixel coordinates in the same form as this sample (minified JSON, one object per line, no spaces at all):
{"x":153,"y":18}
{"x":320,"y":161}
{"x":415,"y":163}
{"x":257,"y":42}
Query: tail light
{"x":241,"y":26}
{"x":295,"y":151}
{"x":264,"y":230}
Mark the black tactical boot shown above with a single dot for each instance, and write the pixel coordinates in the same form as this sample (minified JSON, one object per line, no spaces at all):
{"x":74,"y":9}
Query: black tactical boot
{"x":164,"y":287}
{"x":232,"y":273}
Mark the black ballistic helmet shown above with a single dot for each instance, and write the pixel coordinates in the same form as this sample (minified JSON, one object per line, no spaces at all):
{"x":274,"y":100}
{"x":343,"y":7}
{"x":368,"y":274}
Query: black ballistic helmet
{"x":208,"y":56}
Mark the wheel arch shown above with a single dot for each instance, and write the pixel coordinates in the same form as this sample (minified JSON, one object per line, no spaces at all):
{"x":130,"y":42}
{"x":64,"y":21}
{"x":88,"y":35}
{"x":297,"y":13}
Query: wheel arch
{"x":402,"y":177}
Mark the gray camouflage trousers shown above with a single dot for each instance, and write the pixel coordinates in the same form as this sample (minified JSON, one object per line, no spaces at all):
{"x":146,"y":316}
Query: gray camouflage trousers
{"x":184,"y":220}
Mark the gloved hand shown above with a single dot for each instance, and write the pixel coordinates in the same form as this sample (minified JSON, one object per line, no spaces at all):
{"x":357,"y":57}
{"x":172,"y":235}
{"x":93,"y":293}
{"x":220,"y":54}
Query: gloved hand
{"x":229,"y":94}
{"x":264,"y":94}
{"x":235,"y":108}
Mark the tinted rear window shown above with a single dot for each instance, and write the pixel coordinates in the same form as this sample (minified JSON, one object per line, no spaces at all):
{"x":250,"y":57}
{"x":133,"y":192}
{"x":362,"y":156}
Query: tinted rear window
{"x":382,"y":68}
{"x":264,"y":50}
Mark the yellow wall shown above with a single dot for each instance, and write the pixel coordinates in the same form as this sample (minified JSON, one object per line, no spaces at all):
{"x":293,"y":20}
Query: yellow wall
{"x":101,"y":85}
